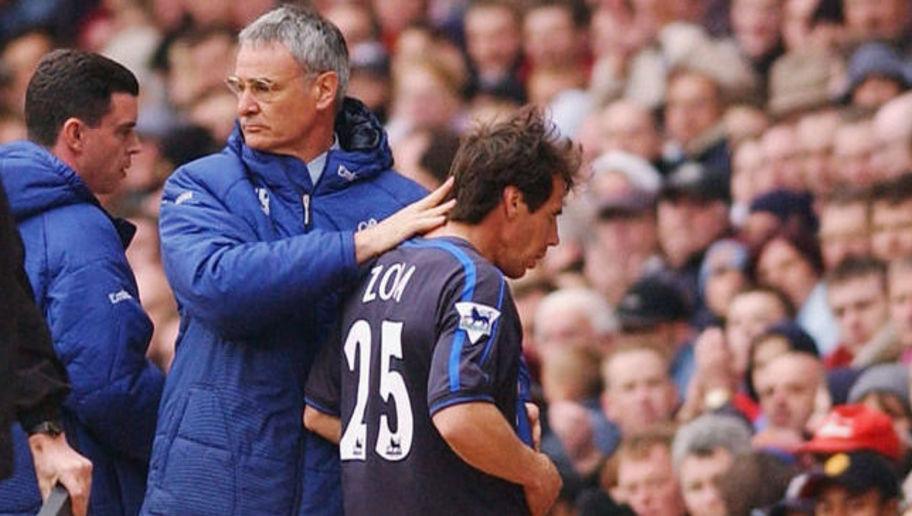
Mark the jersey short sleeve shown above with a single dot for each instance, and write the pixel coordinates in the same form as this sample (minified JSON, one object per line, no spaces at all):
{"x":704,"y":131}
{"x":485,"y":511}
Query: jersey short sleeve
{"x":322,"y":391}
{"x":464,"y":365}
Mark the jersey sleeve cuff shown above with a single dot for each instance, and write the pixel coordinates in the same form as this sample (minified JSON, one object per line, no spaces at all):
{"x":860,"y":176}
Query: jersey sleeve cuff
{"x":439,"y":405}
{"x":321,"y":407}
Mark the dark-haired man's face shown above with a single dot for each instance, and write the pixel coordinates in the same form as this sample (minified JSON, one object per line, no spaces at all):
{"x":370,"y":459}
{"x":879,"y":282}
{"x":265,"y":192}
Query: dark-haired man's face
{"x":861,"y":308}
{"x":784,"y":267}
{"x":692,"y":107}
{"x":687,"y":226}
{"x":699,"y":476}
{"x":493,"y":40}
{"x":843,"y":232}
{"x":109,"y":146}
{"x":638,"y":390}
{"x":749,"y":314}
{"x":648,"y":484}
{"x":787,"y":387}
{"x":529,"y":234}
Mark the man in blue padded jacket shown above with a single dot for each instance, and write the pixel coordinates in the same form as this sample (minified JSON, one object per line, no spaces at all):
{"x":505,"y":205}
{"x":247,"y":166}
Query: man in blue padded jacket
{"x":80,"y":110}
{"x":427,"y":377}
{"x":257,"y":242}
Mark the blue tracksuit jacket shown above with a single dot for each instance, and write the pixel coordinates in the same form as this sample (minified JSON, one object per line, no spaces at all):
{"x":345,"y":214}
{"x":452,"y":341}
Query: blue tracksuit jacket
{"x":258,"y":257}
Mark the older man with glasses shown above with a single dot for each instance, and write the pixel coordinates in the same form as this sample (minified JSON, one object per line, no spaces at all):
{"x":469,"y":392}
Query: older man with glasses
{"x":259,"y":242}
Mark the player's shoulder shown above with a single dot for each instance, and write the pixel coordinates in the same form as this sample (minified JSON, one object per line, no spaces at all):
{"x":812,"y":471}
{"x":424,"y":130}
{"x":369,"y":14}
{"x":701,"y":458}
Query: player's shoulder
{"x":452,"y":254}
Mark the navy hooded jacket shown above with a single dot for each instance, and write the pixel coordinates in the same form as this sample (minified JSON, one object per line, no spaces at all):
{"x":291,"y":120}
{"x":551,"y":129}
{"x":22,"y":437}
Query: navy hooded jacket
{"x":258,"y":258}
{"x":74,"y":257}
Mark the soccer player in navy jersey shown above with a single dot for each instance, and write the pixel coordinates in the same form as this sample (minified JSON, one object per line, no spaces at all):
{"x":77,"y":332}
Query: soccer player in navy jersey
{"x":424,"y":389}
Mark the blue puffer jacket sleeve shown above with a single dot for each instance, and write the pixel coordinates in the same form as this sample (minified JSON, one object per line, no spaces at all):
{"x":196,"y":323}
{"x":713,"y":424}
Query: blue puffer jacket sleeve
{"x":107,"y":379}
{"x":100,"y":331}
{"x":225,"y":274}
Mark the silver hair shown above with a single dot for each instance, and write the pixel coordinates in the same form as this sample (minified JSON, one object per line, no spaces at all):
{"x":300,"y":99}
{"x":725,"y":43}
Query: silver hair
{"x":316,"y":44}
{"x":593,"y":305}
{"x":708,"y":432}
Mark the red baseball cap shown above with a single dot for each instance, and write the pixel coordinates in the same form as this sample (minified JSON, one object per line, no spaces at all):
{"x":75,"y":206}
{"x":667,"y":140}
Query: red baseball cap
{"x":850,"y":428}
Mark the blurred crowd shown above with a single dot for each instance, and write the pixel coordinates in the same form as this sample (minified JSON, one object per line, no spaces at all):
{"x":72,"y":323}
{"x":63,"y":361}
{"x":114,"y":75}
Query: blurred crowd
{"x":727,"y":322}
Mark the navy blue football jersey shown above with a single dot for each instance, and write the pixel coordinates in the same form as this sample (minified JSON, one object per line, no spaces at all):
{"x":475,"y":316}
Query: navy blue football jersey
{"x":432,"y":325}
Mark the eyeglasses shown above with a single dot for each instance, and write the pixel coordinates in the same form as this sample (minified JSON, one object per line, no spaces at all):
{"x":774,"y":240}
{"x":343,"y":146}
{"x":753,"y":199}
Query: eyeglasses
{"x":261,"y":88}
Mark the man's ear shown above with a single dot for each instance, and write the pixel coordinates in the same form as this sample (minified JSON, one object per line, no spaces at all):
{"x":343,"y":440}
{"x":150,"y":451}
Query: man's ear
{"x":325,"y":87}
{"x":72,"y":135}
{"x":512,"y":198}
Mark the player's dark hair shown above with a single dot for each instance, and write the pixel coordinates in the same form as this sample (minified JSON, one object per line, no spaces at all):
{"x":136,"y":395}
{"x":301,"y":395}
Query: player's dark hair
{"x":524,"y":151}
{"x":71,"y":83}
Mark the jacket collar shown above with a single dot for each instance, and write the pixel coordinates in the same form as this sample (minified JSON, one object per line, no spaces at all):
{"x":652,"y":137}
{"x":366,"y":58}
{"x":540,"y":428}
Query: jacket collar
{"x":37,"y":181}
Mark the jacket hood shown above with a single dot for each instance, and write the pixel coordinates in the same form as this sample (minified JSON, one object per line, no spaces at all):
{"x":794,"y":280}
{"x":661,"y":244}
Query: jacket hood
{"x":37,"y":181}
{"x":362,"y":154}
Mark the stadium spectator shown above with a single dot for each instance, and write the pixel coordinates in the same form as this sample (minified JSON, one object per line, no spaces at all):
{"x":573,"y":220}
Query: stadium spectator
{"x":693,"y":122}
{"x":893,"y":128}
{"x":638,"y":392}
{"x":861,"y":482}
{"x":857,"y":295}
{"x":692,"y":214}
{"x":876,"y":19}
{"x":876,"y":74}
{"x":723,"y":274}
{"x":885,"y":388}
{"x":787,"y":388}
{"x":815,"y":133}
{"x":792,"y":263}
{"x":781,"y":147}
{"x":702,"y":452}
{"x":554,"y":36}
{"x":574,"y":317}
{"x":622,"y":244}
{"x":629,"y":127}
{"x":751,"y":313}
{"x":899,"y":287}
{"x":493,"y":31}
{"x":645,"y":476}
{"x":844,"y":230}
{"x":757,"y":26}
{"x":855,"y":428}
{"x":654,"y":310}
{"x":891,"y":213}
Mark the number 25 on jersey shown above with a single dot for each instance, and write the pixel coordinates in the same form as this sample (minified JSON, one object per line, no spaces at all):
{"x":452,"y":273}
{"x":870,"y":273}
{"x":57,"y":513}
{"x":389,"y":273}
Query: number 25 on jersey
{"x":390,"y":445}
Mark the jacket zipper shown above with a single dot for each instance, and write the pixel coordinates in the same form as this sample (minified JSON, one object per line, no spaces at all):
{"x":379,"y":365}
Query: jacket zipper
{"x":306,"y":200}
